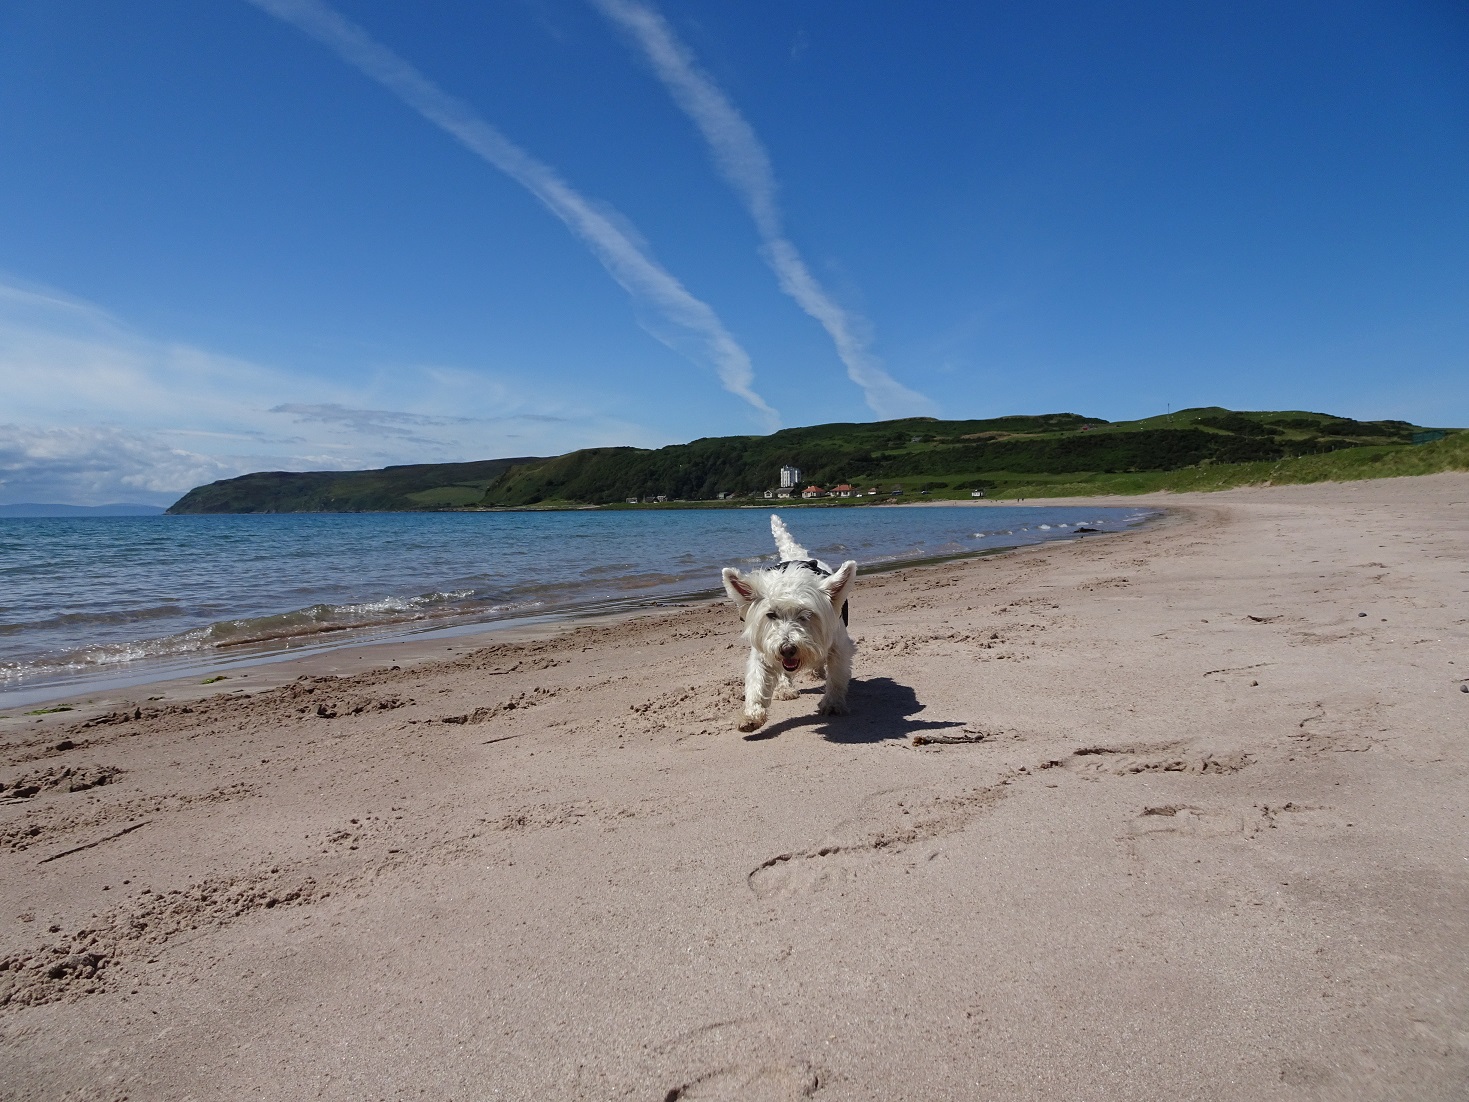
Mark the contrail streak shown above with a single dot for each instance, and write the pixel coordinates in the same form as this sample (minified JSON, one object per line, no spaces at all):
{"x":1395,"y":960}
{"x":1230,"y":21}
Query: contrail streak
{"x":742,"y":160}
{"x":625,"y":260}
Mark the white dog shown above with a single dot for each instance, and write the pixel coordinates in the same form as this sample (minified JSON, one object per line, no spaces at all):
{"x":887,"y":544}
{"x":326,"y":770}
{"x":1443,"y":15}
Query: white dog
{"x":791,"y":623}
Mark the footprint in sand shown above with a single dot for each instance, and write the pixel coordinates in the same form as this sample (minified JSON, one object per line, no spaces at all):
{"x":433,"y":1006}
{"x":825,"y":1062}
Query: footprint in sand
{"x":1349,"y":730}
{"x":1204,"y":822}
{"x":1193,"y":822}
{"x":1157,"y":758}
{"x":796,"y":873}
{"x":69,"y":778}
{"x":782,"y":1081}
{"x":833,"y":865}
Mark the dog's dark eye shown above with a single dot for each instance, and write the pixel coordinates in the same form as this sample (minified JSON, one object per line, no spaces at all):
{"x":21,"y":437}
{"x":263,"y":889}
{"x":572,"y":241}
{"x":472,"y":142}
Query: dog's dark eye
{"x":771,"y":616}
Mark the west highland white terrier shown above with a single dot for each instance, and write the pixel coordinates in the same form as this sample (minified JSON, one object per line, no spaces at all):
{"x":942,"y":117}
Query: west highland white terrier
{"x":792,"y":623}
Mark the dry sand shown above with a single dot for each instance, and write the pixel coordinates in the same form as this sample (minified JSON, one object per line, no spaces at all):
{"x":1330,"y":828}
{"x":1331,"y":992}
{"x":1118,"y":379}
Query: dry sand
{"x":1159,"y":816}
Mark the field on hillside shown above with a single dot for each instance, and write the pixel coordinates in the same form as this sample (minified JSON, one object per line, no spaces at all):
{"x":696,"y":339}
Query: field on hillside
{"x":1345,"y":465}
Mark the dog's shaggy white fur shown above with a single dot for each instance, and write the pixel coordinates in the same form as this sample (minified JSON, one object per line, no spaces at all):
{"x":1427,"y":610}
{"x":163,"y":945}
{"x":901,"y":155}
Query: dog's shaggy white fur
{"x":792,"y":622}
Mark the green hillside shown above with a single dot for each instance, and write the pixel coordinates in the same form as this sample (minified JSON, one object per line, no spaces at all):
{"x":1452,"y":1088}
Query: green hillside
{"x":703,"y":469}
{"x":1021,"y":456}
{"x":410,"y":488}
{"x":1010,"y":456}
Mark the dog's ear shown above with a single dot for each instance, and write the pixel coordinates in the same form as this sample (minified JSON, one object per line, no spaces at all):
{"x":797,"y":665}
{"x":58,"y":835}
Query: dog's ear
{"x":740,"y":588}
{"x":839,"y":584}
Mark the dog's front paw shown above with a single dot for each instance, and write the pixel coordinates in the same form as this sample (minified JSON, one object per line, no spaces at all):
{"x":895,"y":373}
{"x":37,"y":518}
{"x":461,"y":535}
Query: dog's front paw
{"x":752,"y":721}
{"x":833,"y":708}
{"x":787,"y":692}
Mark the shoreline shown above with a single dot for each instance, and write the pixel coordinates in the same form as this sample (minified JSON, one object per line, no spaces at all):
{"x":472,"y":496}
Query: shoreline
{"x":222,"y":661}
{"x":1172,"y":816}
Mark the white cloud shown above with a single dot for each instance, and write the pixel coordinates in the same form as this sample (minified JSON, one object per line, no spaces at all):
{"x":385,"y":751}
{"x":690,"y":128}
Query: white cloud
{"x":91,"y":411}
{"x":741,"y":159}
{"x":383,"y":422}
{"x":97,"y":465}
{"x":65,"y":359}
{"x":619,"y":250}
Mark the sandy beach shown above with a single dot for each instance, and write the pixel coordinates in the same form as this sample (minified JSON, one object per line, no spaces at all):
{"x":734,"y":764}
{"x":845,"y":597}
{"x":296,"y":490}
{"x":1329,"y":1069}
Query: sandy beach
{"x":1177,"y":814}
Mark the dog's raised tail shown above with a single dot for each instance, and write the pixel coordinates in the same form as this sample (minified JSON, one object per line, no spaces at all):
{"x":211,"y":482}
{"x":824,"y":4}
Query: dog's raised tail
{"x":785,"y":543}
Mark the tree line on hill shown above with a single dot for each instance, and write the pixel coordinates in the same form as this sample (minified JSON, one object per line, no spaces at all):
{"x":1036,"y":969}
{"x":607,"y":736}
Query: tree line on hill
{"x":964,"y":453}
{"x":704,"y":469}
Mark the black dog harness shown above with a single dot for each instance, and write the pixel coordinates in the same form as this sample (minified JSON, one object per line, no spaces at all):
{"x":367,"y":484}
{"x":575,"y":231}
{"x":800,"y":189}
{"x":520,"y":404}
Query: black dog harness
{"x":815,"y":568}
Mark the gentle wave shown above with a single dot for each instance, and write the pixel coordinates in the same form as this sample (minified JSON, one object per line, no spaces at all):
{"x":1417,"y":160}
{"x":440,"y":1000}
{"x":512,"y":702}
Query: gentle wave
{"x":318,"y":619}
{"x":80,"y":599}
{"x":91,"y":619}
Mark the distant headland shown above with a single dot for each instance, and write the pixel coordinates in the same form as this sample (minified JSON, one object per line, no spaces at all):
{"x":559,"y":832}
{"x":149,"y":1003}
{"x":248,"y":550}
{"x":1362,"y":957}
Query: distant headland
{"x":1050,"y":455}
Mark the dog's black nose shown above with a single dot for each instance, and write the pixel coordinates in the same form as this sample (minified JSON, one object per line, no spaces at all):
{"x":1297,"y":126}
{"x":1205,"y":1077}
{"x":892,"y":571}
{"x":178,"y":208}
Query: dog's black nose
{"x":788,"y":650}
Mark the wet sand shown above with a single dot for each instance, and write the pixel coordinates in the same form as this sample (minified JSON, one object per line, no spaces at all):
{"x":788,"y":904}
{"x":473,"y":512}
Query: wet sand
{"x":1160,"y":815}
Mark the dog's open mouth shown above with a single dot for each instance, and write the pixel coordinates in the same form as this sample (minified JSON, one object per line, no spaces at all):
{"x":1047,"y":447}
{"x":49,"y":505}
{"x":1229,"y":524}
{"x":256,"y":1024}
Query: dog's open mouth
{"x":791,"y":664}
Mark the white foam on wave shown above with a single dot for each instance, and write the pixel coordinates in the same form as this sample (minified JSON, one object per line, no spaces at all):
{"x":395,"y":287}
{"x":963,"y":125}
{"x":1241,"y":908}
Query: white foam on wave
{"x":392,"y":604}
{"x":221,"y":634}
{"x":105,"y":655}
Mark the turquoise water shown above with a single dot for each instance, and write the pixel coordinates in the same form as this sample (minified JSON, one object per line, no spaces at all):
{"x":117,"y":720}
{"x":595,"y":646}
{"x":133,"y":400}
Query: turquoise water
{"x":87,"y":600}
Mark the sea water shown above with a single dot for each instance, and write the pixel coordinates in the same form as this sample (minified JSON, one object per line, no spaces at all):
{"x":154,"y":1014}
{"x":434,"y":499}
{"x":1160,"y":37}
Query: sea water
{"x":91,"y":601}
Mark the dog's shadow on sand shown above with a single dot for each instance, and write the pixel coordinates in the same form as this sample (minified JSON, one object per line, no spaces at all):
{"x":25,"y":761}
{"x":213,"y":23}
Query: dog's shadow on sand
{"x":881,"y":710}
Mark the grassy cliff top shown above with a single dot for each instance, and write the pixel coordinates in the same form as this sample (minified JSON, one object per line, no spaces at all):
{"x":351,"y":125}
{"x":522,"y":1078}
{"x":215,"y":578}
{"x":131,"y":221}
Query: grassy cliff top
{"x":1022,"y":455}
{"x":408,"y":488}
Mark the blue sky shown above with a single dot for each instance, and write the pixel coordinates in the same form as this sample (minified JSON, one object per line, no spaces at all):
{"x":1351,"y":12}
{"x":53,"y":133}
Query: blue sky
{"x":277,"y":234}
